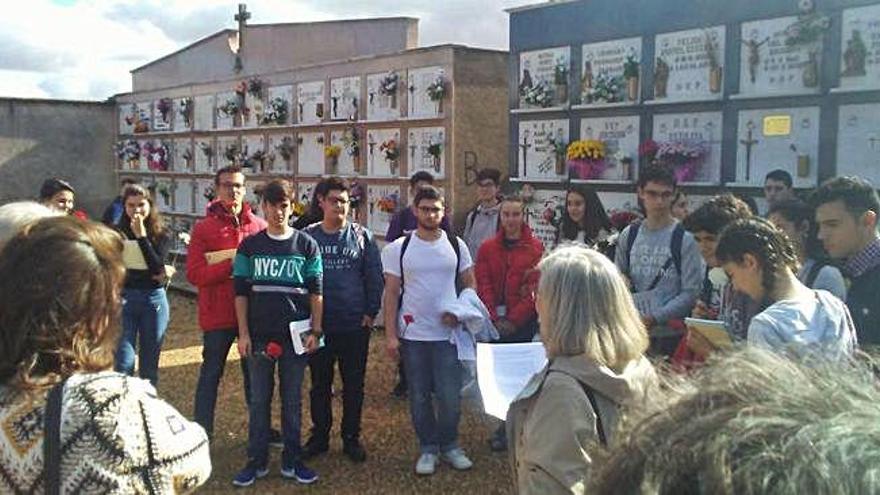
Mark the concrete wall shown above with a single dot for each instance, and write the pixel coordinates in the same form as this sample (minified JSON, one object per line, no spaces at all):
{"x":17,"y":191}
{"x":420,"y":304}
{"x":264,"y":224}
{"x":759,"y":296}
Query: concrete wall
{"x":480,"y":124}
{"x":275,"y":47}
{"x":66,"y":139}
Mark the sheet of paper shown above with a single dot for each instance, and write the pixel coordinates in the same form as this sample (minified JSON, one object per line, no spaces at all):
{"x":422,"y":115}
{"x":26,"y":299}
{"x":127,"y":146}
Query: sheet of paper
{"x":297,"y":329}
{"x":132,"y":257}
{"x":214,"y":257}
{"x":503,"y":370}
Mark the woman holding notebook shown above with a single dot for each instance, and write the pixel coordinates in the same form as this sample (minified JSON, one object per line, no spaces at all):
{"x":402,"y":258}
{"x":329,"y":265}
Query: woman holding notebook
{"x":145,"y":311}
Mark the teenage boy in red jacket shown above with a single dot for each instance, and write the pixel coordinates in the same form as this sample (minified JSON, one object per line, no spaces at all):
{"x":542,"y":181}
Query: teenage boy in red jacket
{"x":506,"y":276}
{"x":209,"y":267}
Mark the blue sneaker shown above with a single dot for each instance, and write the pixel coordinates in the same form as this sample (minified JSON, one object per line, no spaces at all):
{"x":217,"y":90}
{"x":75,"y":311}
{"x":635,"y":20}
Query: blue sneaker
{"x":248,"y":475}
{"x":300,"y":472}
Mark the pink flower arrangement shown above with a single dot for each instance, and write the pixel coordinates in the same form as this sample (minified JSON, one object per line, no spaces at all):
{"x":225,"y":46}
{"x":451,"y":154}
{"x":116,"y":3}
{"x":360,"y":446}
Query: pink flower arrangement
{"x":157,"y":156}
{"x":684,"y":157}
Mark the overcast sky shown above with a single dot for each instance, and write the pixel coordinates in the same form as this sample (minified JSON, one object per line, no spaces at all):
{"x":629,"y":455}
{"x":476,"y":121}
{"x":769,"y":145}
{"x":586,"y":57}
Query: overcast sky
{"x":84,"y":49}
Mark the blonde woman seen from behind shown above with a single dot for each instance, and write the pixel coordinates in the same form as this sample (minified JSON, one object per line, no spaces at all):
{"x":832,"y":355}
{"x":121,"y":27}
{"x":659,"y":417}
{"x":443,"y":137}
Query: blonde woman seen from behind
{"x":595,"y":343}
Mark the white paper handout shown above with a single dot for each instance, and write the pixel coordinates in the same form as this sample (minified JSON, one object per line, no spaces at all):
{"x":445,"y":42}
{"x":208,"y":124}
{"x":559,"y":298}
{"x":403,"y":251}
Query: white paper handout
{"x":297,"y":331}
{"x":132,"y":257}
{"x":503,"y":370}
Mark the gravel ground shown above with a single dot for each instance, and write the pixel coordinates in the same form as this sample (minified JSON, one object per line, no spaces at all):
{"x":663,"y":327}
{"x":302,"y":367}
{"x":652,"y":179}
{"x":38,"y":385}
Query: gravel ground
{"x":387,"y":433}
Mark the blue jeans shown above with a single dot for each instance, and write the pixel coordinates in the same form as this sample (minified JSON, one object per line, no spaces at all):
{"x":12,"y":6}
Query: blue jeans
{"x":145,"y":316}
{"x":433,"y":368}
{"x":291,"y":369}
{"x":215,"y":347}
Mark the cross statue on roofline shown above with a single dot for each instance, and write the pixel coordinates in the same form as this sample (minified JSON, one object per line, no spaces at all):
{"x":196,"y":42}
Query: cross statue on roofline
{"x":241,"y":17}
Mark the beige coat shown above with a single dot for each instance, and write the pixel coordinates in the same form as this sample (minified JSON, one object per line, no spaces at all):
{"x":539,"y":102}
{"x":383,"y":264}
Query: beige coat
{"x":551,"y":425}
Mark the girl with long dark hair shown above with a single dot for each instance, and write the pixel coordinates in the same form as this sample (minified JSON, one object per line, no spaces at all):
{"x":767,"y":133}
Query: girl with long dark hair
{"x":584,"y":219}
{"x":145,"y":311}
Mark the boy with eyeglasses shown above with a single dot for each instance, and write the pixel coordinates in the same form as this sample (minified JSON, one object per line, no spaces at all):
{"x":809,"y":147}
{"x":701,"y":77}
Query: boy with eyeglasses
{"x":661,"y":261}
{"x":484,"y":220}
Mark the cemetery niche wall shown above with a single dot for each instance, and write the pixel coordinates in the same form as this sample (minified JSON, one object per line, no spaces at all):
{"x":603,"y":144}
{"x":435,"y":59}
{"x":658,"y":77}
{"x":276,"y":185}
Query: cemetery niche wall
{"x":721,"y":95}
{"x":373,"y":119}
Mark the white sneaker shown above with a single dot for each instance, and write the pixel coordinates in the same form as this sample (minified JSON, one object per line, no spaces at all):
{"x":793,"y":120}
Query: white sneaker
{"x":457,"y":459}
{"x":426,"y":464}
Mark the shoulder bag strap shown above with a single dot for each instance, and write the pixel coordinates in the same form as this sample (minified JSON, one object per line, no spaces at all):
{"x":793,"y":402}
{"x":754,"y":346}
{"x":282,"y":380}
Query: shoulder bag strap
{"x":52,"y":440}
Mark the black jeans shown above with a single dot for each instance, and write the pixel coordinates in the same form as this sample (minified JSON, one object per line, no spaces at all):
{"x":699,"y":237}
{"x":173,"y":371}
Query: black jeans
{"x":350,"y":350}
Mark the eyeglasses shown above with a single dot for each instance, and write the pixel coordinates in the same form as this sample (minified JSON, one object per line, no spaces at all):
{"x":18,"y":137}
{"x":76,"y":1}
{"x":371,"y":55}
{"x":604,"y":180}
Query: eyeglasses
{"x":430,"y":209}
{"x":339,"y":201}
{"x":665,"y":195}
{"x":232,"y":185}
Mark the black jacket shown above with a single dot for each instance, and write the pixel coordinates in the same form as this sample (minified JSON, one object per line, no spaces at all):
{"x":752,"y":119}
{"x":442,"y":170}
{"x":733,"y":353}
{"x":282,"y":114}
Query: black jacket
{"x":863,"y":300}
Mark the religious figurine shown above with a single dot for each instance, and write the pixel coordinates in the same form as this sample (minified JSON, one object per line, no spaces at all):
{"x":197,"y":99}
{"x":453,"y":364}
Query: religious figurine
{"x":753,"y":47}
{"x":661,"y":78}
{"x":854,"y":56}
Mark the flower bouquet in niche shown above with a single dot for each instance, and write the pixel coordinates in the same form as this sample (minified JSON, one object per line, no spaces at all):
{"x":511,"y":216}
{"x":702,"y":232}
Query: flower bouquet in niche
{"x":538,"y":95}
{"x":606,"y":89}
{"x":435,"y":150}
{"x":388,"y":203}
{"x":185,"y":108}
{"x":586,"y":159}
{"x":232,"y":152}
{"x":437,"y":90}
{"x":208,"y":151}
{"x":157,"y":156}
{"x":187,"y":155}
{"x":277,"y":113}
{"x":391,"y":153}
{"x":331,"y":153}
{"x":165,"y":107}
{"x":129,"y":151}
{"x":388,"y":86}
{"x":560,"y":80}
{"x":684,"y":158}
{"x":558,"y":147}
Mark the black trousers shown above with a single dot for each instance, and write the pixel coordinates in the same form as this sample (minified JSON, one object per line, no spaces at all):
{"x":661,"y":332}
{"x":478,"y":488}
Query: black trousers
{"x":350,"y":351}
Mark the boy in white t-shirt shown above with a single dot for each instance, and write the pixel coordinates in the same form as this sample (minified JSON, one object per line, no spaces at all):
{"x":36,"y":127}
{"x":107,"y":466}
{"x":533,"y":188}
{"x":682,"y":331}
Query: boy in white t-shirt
{"x":422,"y":270}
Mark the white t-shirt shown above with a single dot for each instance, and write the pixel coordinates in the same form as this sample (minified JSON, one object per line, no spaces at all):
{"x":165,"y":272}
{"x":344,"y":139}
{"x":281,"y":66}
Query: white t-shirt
{"x":820,"y":323}
{"x":429,"y":280}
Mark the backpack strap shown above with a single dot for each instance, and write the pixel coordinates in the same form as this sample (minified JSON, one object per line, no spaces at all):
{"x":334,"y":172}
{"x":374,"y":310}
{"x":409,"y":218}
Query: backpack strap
{"x":591,"y":396}
{"x":675,"y":246}
{"x":52,"y":440}
{"x":406,"y":239}
{"x":630,"y":241}
{"x":455,"y":247}
{"x":817,"y":267}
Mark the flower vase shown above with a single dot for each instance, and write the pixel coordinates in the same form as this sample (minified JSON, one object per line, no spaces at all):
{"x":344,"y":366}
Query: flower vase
{"x":632,"y":88}
{"x":334,"y":165}
{"x":715,"y":75}
{"x":811,"y":73}
{"x":394,"y":99}
{"x":660,"y":88}
{"x":435,"y":160}
{"x":440,"y":106}
{"x":356,"y":165}
{"x":392,"y":165}
{"x":561,"y":93}
{"x":803,"y":166}
{"x":625,"y":169}
{"x":134,"y":164}
{"x":560,"y":165}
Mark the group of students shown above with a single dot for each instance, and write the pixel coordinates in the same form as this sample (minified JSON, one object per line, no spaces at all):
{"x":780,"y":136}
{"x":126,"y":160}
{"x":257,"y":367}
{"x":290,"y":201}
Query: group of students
{"x":600,"y":302}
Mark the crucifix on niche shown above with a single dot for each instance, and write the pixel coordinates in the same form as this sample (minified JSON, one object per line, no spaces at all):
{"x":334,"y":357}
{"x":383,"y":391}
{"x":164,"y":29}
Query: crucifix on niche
{"x":236,"y":42}
{"x":749,"y":142}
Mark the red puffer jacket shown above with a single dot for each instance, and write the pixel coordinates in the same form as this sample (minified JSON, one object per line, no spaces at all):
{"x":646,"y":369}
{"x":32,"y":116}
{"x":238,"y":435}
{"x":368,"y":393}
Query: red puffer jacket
{"x":219,"y":230}
{"x":508,"y":275}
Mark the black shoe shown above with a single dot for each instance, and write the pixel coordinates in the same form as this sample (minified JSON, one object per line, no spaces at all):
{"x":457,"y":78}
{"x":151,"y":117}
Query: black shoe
{"x":399,"y":391}
{"x":314,"y":448}
{"x":354,"y":450}
{"x":275,"y":438}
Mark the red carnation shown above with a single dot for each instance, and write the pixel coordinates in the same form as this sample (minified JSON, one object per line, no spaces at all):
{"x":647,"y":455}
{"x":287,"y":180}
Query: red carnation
{"x":274,"y":350}
{"x":408,"y":319}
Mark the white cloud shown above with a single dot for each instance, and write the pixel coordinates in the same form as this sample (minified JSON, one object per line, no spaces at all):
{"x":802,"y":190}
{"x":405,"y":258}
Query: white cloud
{"x":86,"y":49}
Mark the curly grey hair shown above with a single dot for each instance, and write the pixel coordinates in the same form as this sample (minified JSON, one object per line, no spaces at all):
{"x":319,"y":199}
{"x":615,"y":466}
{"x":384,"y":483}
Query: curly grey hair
{"x":754,"y":422}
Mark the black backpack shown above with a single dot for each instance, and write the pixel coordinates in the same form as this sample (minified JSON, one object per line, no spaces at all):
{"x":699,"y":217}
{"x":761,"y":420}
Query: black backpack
{"x":817,"y":267}
{"x":453,"y":240}
{"x":674,"y":252}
